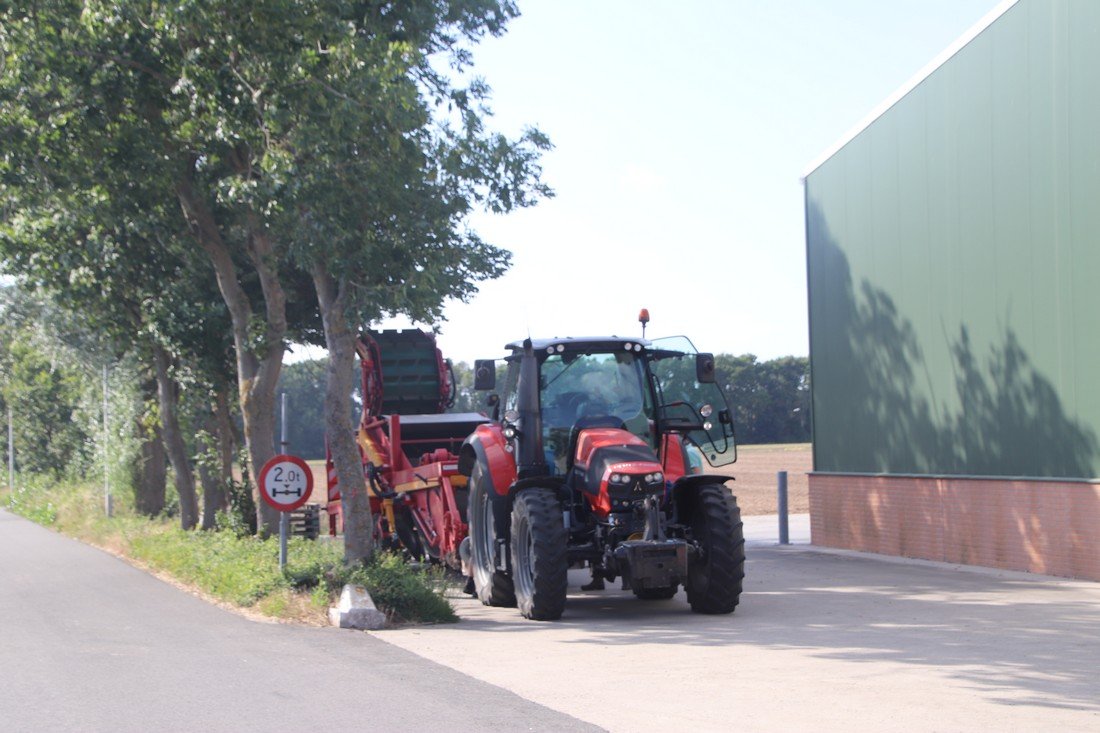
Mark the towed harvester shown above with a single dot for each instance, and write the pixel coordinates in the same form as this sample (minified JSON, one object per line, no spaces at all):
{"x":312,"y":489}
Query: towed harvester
{"x":409,"y":446}
{"x":593,"y":456}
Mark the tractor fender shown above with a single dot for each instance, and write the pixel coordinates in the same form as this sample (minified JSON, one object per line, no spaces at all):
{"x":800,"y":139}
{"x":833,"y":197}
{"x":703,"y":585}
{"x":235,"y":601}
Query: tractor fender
{"x":686,"y":488}
{"x":554,"y":483}
{"x":487,"y":446}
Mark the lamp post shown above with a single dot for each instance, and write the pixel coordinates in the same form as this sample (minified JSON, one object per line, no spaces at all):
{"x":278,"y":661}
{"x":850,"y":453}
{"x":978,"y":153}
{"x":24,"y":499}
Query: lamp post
{"x":106,"y":451}
{"x":11,"y":451}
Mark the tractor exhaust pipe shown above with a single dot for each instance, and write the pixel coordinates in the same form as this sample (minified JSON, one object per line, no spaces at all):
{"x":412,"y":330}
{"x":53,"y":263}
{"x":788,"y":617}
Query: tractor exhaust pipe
{"x":530,"y":461}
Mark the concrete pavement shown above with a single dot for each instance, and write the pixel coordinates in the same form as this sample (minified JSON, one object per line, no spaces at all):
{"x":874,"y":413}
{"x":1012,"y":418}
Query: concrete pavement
{"x":822,"y":641}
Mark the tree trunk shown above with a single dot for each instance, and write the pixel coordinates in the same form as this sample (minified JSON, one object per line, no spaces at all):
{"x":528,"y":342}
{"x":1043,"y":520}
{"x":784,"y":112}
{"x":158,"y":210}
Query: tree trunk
{"x":358,"y":527}
{"x":215,"y":478}
{"x":151,"y":476}
{"x":257,"y":377}
{"x":173,"y":440}
{"x":227,"y":437}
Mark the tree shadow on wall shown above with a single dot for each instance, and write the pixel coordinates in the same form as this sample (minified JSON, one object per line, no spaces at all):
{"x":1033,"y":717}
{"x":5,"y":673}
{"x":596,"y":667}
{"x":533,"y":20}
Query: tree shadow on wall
{"x":872,"y":382}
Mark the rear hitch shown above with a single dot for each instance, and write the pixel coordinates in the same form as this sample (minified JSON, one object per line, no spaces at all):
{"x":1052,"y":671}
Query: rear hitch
{"x":652,"y":563}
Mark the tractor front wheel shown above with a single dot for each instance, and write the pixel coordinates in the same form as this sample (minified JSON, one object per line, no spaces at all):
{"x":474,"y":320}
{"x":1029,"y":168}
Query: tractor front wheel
{"x":540,"y":562}
{"x":491,"y":585}
{"x":714,"y":579}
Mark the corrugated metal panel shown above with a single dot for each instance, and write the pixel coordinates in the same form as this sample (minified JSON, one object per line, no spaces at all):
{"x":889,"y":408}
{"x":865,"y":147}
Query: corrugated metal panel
{"x":953,"y":253}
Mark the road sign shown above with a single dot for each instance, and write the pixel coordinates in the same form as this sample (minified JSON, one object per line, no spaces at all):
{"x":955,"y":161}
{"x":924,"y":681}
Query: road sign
{"x":286,"y":482}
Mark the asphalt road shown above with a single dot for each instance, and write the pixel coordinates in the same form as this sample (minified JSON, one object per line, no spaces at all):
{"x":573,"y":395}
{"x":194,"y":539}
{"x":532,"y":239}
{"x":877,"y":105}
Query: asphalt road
{"x":88,"y":643}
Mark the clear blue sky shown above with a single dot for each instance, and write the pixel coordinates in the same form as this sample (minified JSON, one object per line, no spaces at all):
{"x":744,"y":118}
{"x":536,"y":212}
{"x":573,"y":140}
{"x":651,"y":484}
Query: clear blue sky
{"x":681,"y":132}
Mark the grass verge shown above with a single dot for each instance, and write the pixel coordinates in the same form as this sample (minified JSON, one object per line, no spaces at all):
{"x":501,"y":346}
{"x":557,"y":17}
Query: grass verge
{"x":239,"y":571}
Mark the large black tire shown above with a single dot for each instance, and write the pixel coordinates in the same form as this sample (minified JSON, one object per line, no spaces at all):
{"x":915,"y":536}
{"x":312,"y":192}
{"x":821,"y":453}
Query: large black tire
{"x":714,"y":580}
{"x":492,"y":586}
{"x":540,"y":561}
{"x":405,"y":527}
{"x":655,"y":594}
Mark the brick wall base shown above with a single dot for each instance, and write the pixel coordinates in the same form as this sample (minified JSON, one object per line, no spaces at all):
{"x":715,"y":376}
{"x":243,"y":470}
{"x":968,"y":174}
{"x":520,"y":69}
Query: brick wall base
{"x":1049,"y":527}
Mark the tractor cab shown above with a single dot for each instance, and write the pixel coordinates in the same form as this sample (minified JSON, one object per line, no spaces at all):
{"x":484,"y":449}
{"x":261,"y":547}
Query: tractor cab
{"x":662,"y":393}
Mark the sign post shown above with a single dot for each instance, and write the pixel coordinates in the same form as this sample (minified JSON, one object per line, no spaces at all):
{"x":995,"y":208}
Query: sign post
{"x":285,"y":484}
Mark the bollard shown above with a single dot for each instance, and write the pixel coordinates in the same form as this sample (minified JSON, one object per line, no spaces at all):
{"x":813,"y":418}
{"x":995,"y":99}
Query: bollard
{"x":784,"y":533}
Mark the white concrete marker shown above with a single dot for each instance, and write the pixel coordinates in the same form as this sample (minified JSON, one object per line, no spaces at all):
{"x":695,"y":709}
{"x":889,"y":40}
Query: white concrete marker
{"x":356,"y":610}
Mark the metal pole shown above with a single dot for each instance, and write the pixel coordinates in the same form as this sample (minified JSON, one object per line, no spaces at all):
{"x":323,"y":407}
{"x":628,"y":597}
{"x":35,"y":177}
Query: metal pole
{"x":11,"y":451}
{"x":284,"y":518}
{"x":106,"y":453}
{"x":284,"y":444}
{"x":284,"y":523}
{"x":784,"y":533}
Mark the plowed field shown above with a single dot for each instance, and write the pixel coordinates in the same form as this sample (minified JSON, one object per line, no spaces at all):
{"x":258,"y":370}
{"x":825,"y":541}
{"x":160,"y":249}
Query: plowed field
{"x":755,"y":473}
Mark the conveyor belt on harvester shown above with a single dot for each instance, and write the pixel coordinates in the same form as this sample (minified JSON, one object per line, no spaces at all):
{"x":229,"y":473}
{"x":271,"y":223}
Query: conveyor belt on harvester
{"x":412,"y":372}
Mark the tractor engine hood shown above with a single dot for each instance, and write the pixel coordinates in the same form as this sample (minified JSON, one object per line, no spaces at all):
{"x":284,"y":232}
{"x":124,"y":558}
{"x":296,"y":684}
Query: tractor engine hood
{"x":616,"y":468}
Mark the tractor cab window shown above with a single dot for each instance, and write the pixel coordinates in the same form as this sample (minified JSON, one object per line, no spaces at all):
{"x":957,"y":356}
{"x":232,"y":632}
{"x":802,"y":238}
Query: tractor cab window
{"x":698,"y":411}
{"x":509,"y":393}
{"x":590,"y":390}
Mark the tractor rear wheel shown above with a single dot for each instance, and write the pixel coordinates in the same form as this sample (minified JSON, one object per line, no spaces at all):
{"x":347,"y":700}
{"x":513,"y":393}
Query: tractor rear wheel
{"x":491,"y":585}
{"x":540,"y":562}
{"x":655,"y":594}
{"x":714,"y":579}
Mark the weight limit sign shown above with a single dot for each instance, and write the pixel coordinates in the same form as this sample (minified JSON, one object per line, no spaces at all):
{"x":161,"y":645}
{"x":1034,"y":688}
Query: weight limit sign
{"x":286,"y":482}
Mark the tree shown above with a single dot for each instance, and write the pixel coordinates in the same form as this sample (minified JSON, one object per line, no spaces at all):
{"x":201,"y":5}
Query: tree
{"x":389,"y":158}
{"x":95,"y":99}
{"x":770,"y":400}
{"x":303,"y":383}
{"x":44,"y":394}
{"x":306,"y":142}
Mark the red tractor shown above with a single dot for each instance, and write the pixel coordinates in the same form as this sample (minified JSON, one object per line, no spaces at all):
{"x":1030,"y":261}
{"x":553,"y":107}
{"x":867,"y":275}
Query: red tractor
{"x":595,"y":456}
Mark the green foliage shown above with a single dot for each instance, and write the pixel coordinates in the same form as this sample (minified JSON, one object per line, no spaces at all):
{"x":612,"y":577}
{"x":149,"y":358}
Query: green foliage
{"x":31,"y":500}
{"x":770,"y":399}
{"x":304,"y":385}
{"x":245,"y":570}
{"x":240,"y":517}
{"x":407,"y":593}
{"x":42,"y":385}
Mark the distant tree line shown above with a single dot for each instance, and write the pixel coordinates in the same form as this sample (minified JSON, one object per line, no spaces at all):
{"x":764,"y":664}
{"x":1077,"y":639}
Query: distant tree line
{"x":770,"y":399}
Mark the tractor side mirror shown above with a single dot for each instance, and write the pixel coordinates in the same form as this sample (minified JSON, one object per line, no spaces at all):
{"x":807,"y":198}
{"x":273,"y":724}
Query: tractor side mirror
{"x":485,"y":374}
{"x":704,"y":368}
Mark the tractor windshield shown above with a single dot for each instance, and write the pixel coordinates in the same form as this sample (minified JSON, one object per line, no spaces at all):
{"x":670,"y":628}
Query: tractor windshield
{"x":697,"y":410}
{"x":593,"y":390}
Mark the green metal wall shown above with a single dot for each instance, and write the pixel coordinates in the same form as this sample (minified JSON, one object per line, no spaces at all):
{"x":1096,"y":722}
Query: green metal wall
{"x":954,"y":264}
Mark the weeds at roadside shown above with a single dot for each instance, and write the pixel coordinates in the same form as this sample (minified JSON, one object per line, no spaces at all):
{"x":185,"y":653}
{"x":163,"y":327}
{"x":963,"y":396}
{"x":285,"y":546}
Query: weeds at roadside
{"x":240,"y":570}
